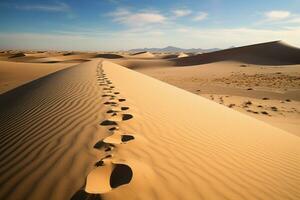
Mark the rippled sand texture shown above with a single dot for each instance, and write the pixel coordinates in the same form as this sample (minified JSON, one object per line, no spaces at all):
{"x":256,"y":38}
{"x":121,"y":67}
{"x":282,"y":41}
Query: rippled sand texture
{"x":48,"y":129}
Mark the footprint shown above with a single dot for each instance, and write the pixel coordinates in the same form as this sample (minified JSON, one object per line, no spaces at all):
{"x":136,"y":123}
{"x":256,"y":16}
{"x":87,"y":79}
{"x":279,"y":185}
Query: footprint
{"x":83,"y":195}
{"x":111,"y":111}
{"x":126,"y":138}
{"x":103,"y":145}
{"x":121,"y":100}
{"x":108,"y":123}
{"x":118,"y":138}
{"x":121,"y":175}
{"x":114,"y":128}
{"x":107,"y":177}
{"x":100,"y":144}
{"x":126,"y":117}
{"x":108,"y":95}
{"x":99,"y":163}
{"x":110,"y":103}
{"x":116,"y":92}
{"x":118,"y":109}
{"x":120,"y":117}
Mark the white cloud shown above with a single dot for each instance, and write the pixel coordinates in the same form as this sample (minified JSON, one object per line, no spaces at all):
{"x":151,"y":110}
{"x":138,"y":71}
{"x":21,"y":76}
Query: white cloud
{"x":57,"y":7}
{"x":276,"y":15}
{"x":182,"y":12}
{"x":141,"y":18}
{"x":280,"y":17}
{"x":200,"y":16}
{"x":144,"y":18}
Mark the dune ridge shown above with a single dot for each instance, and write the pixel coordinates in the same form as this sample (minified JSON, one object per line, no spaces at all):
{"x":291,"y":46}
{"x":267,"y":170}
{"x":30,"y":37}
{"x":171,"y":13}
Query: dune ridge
{"x":143,"y":54}
{"x":270,"y":53}
{"x":109,"y":173}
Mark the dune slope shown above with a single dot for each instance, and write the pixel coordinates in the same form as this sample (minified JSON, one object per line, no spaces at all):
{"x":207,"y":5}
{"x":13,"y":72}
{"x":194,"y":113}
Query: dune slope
{"x":14,"y":74}
{"x":48,"y":128}
{"x":270,"y":53}
{"x":187,"y":147}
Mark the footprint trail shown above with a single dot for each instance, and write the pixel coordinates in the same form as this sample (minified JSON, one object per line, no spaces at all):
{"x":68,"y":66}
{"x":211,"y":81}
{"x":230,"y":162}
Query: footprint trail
{"x":108,"y":174}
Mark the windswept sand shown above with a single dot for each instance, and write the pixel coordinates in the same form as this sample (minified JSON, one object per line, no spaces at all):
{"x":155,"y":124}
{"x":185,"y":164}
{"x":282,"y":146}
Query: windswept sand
{"x":99,"y":130}
{"x":14,"y":74}
{"x":48,"y":129}
{"x":194,"y":148}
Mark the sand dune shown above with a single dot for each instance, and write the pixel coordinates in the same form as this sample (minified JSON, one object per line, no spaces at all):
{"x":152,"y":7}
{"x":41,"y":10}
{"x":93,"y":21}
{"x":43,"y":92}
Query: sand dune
{"x":168,"y":56}
{"x":17,"y":55}
{"x":14,"y":74}
{"x":47,"y":57}
{"x":26,"y":56}
{"x":182,"y":55}
{"x":271,"y":53}
{"x":144,"y":54}
{"x":79,"y":57}
{"x":108,"y":56}
{"x":140,"y":64}
{"x":67,"y":57}
{"x":98,"y":130}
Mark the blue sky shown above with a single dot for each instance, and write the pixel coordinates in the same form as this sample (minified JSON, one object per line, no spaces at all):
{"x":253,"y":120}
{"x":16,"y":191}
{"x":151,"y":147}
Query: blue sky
{"x":126,"y":24}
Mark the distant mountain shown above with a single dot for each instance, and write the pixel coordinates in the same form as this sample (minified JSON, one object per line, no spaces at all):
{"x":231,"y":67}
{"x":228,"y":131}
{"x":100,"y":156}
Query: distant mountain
{"x":171,"y":49}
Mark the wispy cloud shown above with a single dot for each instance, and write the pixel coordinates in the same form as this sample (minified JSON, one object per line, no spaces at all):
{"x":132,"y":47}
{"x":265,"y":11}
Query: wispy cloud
{"x":280,"y":17}
{"x":56,"y":7}
{"x":181,"y":12}
{"x":140,"y":18}
{"x":200,"y":16}
{"x":276,"y":15}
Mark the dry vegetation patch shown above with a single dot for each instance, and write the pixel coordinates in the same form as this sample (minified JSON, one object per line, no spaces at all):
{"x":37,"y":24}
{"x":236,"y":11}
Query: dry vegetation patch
{"x":276,"y":80}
